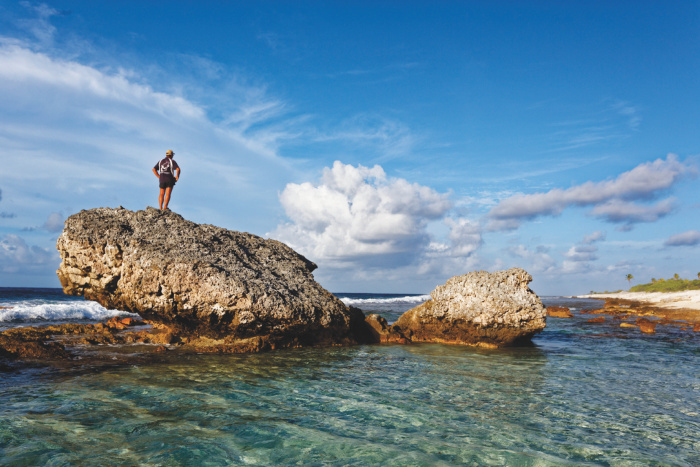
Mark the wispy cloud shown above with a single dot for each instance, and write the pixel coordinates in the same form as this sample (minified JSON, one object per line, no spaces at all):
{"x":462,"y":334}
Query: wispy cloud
{"x":388,"y":138}
{"x":40,"y":25}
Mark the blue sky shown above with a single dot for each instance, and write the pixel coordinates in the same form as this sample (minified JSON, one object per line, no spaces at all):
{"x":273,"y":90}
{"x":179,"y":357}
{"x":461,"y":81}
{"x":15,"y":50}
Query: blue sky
{"x":396,"y":144}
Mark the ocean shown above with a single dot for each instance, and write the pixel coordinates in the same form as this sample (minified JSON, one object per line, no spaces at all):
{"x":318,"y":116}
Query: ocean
{"x":582,"y":394}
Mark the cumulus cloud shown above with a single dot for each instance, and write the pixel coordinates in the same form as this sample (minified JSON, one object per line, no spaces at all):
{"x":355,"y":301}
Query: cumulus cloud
{"x":612,"y":199}
{"x":465,"y":236}
{"x":689,"y":238}
{"x":358,"y":214}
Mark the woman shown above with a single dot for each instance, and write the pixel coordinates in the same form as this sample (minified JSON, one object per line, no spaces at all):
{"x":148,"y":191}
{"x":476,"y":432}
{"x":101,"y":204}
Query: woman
{"x":165,"y":171}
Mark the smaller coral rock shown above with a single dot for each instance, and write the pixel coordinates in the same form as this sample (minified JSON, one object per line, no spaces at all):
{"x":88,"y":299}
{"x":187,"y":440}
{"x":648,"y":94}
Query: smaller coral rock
{"x":478,"y":308}
{"x":646,"y":326}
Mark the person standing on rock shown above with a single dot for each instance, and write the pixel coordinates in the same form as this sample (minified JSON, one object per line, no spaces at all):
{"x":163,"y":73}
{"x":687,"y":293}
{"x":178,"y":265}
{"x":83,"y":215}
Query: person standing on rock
{"x":165,"y":171}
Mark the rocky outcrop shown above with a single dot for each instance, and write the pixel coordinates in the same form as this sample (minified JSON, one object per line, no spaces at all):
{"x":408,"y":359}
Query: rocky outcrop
{"x":559,"y":312}
{"x":219,"y":288}
{"x":478,"y":308}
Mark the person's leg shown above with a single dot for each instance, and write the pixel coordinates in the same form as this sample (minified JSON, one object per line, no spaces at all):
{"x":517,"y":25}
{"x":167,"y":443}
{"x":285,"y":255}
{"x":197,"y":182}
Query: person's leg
{"x":160,"y":198}
{"x":167,"y":196}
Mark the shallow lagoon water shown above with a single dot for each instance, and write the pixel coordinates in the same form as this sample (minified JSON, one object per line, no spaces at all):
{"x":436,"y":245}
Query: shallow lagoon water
{"x":581,"y":395}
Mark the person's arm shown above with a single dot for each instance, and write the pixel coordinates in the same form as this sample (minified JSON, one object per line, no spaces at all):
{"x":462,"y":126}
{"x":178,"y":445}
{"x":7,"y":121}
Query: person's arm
{"x":156,"y":172}
{"x":177,"y":177}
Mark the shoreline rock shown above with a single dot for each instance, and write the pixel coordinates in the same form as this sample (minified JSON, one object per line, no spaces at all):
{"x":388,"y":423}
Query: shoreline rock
{"x":479,"y":308}
{"x":559,"y":312}
{"x":224,"y":287}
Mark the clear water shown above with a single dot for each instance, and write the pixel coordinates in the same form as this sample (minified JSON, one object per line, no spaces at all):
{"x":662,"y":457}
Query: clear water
{"x":583,"y":394}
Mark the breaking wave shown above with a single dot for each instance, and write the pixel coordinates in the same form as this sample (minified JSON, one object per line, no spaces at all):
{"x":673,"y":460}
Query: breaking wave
{"x":32,"y":311}
{"x":358,"y":301}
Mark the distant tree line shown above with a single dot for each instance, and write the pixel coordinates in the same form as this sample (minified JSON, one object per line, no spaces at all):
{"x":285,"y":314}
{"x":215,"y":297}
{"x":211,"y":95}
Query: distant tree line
{"x":674,"y":284}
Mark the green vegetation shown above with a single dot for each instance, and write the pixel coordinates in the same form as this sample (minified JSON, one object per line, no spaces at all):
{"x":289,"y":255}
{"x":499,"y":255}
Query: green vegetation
{"x":668,"y":285}
{"x":629,"y":278}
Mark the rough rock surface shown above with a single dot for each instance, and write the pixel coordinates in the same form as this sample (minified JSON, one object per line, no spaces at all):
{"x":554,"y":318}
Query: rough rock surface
{"x":478,"y":308}
{"x":223,"y":287}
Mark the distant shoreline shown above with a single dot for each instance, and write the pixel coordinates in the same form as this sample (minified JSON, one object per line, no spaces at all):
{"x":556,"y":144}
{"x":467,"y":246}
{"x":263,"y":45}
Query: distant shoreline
{"x":687,"y":299}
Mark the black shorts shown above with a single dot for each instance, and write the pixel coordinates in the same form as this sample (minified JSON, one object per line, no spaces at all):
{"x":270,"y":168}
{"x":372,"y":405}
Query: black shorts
{"x":164,"y":185}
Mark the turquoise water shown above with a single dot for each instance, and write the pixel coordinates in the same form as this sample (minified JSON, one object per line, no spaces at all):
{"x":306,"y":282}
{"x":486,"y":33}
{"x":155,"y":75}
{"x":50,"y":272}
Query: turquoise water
{"x":581,"y":395}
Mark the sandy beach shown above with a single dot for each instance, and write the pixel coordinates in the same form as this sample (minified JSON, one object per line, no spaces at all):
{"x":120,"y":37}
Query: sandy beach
{"x":688,"y":299}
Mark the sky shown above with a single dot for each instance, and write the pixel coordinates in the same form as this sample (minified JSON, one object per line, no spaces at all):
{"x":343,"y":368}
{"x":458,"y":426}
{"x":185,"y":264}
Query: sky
{"x":394,"y":143}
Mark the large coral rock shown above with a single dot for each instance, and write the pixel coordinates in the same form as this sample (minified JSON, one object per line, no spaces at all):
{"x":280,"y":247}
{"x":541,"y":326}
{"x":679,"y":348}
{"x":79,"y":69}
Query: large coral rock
{"x":478,"y":308}
{"x":223,"y":287}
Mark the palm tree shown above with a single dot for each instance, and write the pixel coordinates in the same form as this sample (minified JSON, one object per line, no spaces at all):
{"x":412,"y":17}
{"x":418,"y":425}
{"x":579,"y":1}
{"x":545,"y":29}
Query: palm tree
{"x":676,"y":276}
{"x":629,"y":278}
{"x":699,"y":275}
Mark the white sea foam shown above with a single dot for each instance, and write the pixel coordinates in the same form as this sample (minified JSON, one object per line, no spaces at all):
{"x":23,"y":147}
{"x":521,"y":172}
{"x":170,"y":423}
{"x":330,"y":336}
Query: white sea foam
{"x":387,"y":301}
{"x":31,"y":310}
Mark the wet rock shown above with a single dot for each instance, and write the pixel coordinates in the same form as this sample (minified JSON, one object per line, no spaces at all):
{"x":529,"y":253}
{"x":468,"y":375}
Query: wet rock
{"x":383,"y":333}
{"x":646,"y":326}
{"x":478,"y":308}
{"x":128,"y":321}
{"x":201,"y":281}
{"x":600,"y":319}
{"x":30,"y":343}
{"x":696,"y":327}
{"x":559,"y":312}
{"x":627,"y":325}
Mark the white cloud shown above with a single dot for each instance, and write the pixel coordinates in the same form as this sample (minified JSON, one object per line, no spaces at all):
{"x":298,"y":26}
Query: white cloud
{"x":27,"y":69}
{"x":357,"y":214}
{"x":689,"y":238}
{"x":465,"y":236}
{"x":610,"y":198}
